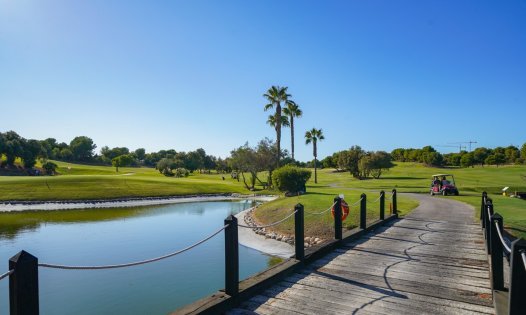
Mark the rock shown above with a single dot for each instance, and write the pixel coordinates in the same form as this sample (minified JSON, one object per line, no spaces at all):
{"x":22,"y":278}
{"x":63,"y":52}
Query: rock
{"x":279,"y":238}
{"x":305,"y":244}
{"x":316,"y":240}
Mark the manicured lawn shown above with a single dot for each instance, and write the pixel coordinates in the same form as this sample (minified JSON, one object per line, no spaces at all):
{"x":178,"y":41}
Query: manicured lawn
{"x":100,"y":182}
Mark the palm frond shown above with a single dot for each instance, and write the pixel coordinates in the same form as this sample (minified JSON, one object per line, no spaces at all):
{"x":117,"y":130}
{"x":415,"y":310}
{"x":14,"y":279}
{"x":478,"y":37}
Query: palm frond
{"x":268,"y":106}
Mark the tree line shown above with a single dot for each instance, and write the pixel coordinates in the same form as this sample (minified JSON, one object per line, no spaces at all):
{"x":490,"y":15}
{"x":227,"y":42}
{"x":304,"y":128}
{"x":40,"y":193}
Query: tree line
{"x":82,"y":150}
{"x":480,"y":156}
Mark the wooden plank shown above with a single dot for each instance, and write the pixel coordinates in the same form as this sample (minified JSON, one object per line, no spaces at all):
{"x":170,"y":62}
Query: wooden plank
{"x":407,"y":272}
{"x":392,"y":303}
{"x":364,"y":290}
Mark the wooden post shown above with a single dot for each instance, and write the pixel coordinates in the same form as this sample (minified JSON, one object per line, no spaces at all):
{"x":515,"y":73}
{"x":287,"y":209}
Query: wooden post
{"x":299,"y":233}
{"x":497,"y":271}
{"x":395,"y":206}
{"x":482,"y":207}
{"x":382,"y":205}
{"x":488,"y":230}
{"x":363,"y":211}
{"x":23,"y":284}
{"x":338,"y":218}
{"x":517,"y":302}
{"x":231,"y":256}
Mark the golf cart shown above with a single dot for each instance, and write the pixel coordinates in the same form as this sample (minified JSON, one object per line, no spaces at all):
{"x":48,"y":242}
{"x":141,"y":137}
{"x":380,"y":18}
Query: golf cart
{"x":443,"y":184}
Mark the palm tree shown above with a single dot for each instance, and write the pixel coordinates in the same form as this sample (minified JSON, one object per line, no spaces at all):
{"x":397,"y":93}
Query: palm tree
{"x":314,"y":135}
{"x":292,"y":110}
{"x":272,"y":121}
{"x":277,"y":95}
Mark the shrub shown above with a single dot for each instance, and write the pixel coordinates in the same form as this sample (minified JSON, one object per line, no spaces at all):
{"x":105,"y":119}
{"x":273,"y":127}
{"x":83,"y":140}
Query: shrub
{"x":290,"y":178}
{"x":181,"y":172}
{"x":50,"y":167}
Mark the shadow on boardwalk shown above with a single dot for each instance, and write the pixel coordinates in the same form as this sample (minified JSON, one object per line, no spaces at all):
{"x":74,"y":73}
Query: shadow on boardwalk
{"x":431,"y":262}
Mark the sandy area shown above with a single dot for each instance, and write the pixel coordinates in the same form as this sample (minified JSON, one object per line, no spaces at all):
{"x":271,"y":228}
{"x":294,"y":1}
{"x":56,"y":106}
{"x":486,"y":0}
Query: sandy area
{"x":86,"y":204}
{"x":247,"y":237}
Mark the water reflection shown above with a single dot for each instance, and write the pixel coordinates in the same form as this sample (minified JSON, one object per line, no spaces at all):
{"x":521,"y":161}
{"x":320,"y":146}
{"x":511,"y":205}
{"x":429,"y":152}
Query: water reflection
{"x":112,"y":236}
{"x":13,"y":223}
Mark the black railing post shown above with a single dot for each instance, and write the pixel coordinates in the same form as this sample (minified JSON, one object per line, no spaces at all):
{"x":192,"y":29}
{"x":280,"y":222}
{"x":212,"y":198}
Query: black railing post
{"x":23,"y":284}
{"x":482,"y":207}
{"x":395,"y":206}
{"x":363,"y":211}
{"x":382,"y":205}
{"x":488,"y":230}
{"x":497,"y":271}
{"x":299,"y":233}
{"x":338,"y":218}
{"x":231,"y":256}
{"x":517,"y":302}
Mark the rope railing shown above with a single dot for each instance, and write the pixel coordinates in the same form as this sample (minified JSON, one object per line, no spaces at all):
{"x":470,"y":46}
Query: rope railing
{"x":322,"y":212}
{"x":523,"y":256}
{"x":267,"y":225}
{"x":375,"y":201}
{"x":357,"y":202}
{"x":506,"y":247}
{"x":142,"y":262}
{"x":7,"y":274}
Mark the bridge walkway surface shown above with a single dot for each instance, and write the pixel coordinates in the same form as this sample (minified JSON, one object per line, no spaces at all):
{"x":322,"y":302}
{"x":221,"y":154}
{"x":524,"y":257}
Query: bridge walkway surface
{"x":432,"y":261}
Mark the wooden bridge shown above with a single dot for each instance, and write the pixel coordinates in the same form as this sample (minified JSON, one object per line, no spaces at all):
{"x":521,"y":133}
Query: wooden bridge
{"x":431,"y":262}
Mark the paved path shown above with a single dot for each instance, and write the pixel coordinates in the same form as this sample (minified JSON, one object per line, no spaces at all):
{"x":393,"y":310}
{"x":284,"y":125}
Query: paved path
{"x":431,"y":262}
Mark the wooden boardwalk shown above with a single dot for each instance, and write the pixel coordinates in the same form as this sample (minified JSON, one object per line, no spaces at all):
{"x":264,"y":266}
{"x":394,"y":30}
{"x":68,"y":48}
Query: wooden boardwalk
{"x":431,"y":262}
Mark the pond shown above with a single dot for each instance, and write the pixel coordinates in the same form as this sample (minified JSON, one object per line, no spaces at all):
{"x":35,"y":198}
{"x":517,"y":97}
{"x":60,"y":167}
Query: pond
{"x":114,"y":236}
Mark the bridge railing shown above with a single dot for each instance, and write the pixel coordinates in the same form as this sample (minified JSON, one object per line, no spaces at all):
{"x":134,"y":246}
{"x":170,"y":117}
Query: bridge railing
{"x":23,"y":267}
{"x":498,"y":246}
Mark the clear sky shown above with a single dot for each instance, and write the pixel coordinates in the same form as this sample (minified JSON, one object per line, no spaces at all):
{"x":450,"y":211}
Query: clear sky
{"x":190,"y":74}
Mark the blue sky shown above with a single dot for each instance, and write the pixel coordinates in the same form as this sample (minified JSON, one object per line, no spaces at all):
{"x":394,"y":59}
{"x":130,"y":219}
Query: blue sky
{"x":190,"y":74}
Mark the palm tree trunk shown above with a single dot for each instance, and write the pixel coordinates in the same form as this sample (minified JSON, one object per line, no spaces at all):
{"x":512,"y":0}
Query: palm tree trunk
{"x":278,"y":131}
{"x":315,"y":153}
{"x":292,"y":135}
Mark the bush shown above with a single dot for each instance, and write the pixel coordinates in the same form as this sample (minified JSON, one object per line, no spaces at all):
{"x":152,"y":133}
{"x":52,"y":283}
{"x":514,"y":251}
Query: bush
{"x":181,"y":172}
{"x":290,"y":178}
{"x":50,"y":167}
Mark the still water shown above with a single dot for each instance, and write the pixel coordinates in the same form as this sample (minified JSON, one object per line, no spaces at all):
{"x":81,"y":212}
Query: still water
{"x":114,"y":236}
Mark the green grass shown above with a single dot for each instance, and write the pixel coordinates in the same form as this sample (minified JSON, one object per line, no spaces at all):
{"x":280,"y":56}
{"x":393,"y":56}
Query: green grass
{"x":77,"y":182}
{"x":405,"y":177}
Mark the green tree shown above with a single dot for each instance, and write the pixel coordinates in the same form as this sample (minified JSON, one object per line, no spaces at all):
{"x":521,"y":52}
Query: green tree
{"x":480,"y":155}
{"x":432,"y":158}
{"x":467,"y":160}
{"x":292,"y":110}
{"x":276,"y":96}
{"x":50,"y":167}
{"x":354,"y":154}
{"x":313,"y":136}
{"x":523,"y":152}
{"x":121,"y":161}
{"x":164,"y":166}
{"x":512,"y":153}
{"x":31,"y":150}
{"x":140,"y":153}
{"x":82,"y":148}
{"x":243,"y":159}
{"x":12,"y":147}
{"x":380,"y":161}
